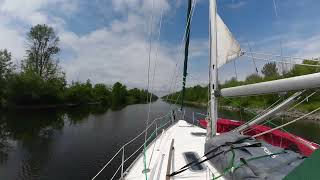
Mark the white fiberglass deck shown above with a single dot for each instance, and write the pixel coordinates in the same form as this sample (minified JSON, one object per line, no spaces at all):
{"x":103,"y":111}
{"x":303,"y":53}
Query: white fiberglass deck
{"x":187,"y":138}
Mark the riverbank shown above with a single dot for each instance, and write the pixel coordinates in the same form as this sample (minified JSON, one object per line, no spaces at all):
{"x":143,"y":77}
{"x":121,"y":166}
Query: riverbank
{"x":286,"y":114}
{"x":48,"y":106}
{"x":291,"y":114}
{"x":188,"y":103}
{"x":68,"y":105}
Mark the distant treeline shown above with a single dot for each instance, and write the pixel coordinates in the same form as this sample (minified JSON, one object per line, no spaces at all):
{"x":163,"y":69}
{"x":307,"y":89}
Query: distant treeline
{"x":199,"y":94}
{"x":39,"y":80}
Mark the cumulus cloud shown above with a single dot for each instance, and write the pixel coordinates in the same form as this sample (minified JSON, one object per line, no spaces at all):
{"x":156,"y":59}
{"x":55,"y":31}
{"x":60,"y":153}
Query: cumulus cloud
{"x":306,"y":47}
{"x":119,"y":51}
{"x":108,"y":56}
{"x":12,"y":40}
{"x":116,"y":52}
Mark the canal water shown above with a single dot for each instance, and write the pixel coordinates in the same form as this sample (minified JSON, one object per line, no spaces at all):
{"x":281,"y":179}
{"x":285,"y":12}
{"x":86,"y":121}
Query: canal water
{"x":75,"y":143}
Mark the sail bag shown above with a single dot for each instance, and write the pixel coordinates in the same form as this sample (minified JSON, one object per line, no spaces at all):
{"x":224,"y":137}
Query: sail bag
{"x":241,"y":157}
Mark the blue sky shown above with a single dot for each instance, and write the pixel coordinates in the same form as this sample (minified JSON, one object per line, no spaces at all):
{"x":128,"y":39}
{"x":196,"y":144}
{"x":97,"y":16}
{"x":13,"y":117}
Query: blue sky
{"x":107,"y":40}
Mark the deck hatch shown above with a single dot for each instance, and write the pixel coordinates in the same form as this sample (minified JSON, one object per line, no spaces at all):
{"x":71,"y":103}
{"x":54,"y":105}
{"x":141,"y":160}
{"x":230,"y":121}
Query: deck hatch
{"x":193,"y":157}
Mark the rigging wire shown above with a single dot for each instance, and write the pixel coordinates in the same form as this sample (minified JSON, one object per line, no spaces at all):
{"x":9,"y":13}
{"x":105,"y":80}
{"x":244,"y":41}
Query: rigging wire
{"x":277,"y":19}
{"x":236,"y":74}
{"x":154,"y":71}
{"x":265,"y":59}
{"x":254,"y":62}
{"x":286,"y":124}
{"x":281,"y":52}
{"x":264,"y":111}
{"x":281,"y":56}
{"x":148,"y":84}
{"x":257,"y":72}
{"x":303,"y":100}
{"x":173,"y":80}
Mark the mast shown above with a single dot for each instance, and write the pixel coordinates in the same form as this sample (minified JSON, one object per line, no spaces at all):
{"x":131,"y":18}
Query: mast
{"x":186,"y":51}
{"x":213,"y":69}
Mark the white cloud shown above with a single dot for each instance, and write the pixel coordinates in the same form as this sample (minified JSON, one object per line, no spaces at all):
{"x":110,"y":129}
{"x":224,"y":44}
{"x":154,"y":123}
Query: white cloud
{"x":33,"y":12}
{"x":306,"y":47}
{"x":69,"y":7}
{"x":22,"y":7}
{"x":108,"y":56}
{"x":199,"y":48}
{"x":143,"y":7}
{"x":12,"y":40}
{"x":16,"y":16}
{"x":119,"y":52}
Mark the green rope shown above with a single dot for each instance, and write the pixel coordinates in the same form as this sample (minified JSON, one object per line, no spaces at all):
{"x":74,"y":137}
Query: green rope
{"x":227,"y":170}
{"x":232,"y":159}
{"x":145,"y":160}
{"x":154,"y":132}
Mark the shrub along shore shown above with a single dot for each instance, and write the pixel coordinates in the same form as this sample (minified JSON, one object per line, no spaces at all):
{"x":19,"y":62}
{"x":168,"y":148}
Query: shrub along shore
{"x":39,"y":82}
{"x":198,"y":95}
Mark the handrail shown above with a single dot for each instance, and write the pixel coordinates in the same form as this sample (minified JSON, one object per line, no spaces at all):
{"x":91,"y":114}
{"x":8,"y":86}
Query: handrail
{"x":107,"y":164}
{"x":133,"y":153}
{"x":129,"y":142}
{"x":116,"y":172}
{"x":145,"y":129}
{"x":155,"y":132}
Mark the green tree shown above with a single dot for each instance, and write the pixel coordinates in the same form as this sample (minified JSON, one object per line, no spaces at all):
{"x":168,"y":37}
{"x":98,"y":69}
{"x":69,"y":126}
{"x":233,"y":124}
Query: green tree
{"x":6,"y":66}
{"x":299,"y":70}
{"x":119,"y":93}
{"x":6,"y":69}
{"x":102,"y":94}
{"x":28,"y":88}
{"x":253,"y":78}
{"x":79,"y":93}
{"x":231,"y":83}
{"x":270,"y":70}
{"x":41,"y":81}
{"x":135,"y":95}
{"x":42,"y":47}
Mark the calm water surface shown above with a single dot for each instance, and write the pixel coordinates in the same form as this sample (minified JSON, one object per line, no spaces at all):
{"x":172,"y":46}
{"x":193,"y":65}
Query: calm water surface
{"x":75,"y":143}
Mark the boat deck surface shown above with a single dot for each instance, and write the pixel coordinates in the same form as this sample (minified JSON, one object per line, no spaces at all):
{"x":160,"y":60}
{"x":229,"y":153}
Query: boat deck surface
{"x":185,"y":137}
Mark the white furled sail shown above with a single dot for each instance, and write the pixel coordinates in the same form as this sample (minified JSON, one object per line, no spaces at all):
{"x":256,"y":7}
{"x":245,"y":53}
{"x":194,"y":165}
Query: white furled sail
{"x":228,"y":47}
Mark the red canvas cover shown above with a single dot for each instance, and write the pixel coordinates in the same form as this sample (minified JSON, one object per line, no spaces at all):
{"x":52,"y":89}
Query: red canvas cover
{"x":277,"y":137}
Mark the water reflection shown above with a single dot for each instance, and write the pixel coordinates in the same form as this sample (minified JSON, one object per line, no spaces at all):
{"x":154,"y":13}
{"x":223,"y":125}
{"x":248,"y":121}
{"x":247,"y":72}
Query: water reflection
{"x":4,"y":145}
{"x":74,"y":143}
{"x":77,"y":115}
{"x":39,"y":126}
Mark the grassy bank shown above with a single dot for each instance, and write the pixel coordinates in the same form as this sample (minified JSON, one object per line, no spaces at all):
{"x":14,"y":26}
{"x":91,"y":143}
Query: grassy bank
{"x":257,"y":109}
{"x":188,"y":103}
{"x":198,"y":95}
